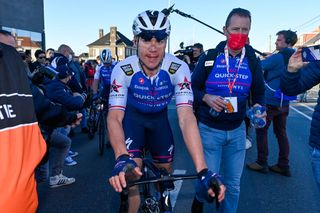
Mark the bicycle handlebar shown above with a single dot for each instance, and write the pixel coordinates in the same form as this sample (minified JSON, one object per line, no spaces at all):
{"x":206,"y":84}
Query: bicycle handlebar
{"x":173,"y":178}
{"x":164,"y":178}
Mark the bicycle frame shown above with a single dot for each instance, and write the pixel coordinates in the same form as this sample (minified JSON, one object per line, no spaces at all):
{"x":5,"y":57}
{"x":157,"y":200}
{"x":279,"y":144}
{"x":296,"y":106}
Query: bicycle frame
{"x":97,"y":122}
{"x":92,"y":120}
{"x":101,"y":124}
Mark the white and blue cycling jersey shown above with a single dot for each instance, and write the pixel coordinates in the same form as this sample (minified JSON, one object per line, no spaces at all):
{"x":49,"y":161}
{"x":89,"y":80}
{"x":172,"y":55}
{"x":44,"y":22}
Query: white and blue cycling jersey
{"x":131,"y":87}
{"x":104,"y":73}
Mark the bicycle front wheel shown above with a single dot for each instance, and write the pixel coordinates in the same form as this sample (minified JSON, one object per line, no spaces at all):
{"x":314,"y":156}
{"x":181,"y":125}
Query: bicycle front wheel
{"x":91,"y":122}
{"x":102,"y":133}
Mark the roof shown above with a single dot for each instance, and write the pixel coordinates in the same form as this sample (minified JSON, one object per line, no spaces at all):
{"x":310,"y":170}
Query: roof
{"x":313,"y":40}
{"x":27,"y":42}
{"x":105,"y":40}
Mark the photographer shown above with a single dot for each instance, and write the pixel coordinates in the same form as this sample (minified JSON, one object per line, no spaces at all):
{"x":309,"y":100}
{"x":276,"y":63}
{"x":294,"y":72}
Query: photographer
{"x":197,"y":50}
{"x":190,"y":54}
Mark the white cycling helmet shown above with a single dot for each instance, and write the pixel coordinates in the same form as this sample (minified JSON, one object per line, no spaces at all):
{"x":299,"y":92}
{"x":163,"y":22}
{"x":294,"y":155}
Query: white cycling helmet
{"x":151,"y":21}
{"x":105,"y":56}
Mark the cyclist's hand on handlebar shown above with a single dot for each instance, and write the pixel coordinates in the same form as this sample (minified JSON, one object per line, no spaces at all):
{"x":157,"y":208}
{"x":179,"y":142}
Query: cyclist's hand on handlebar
{"x":124,"y":164}
{"x":212,"y":182}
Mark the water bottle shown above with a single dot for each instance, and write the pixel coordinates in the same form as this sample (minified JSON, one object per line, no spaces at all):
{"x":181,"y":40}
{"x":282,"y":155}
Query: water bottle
{"x":255,"y":121}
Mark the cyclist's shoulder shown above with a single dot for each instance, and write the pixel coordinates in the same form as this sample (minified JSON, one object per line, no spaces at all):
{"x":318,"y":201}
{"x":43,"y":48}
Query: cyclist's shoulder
{"x":174,"y":65}
{"x":127,"y":67}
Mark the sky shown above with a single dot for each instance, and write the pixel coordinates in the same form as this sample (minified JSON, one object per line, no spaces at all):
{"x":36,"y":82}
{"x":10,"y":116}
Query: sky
{"x":77,"y":23}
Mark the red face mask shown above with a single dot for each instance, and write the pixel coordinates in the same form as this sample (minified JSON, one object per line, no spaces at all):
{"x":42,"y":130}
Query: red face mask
{"x":237,"y":41}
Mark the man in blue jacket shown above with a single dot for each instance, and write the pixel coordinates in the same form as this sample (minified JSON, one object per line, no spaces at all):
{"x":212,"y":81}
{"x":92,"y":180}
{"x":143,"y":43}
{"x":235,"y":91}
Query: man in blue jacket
{"x":277,"y":105}
{"x":298,"y":79}
{"x":58,"y":91}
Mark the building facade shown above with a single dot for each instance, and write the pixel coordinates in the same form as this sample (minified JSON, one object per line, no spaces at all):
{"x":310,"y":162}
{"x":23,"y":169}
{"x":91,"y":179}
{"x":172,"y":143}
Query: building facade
{"x":25,"y":20}
{"x":120,"y":46}
{"x":309,"y":39}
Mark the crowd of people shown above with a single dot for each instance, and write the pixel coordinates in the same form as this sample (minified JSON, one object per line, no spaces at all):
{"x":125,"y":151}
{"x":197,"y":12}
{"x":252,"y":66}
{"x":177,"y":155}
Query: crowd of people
{"x":213,"y":91}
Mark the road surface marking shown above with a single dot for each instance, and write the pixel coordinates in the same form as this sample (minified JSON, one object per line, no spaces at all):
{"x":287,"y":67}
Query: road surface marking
{"x":306,"y":106}
{"x":177,"y":186}
{"x":301,"y":113}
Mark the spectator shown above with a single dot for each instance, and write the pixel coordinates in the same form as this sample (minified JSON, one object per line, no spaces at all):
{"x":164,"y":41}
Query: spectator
{"x":49,"y":53}
{"x":277,"y":106}
{"x":197,"y":50}
{"x":49,"y":56}
{"x":40,"y":60}
{"x":21,"y":143}
{"x":50,"y":117}
{"x":28,"y":58}
{"x":79,"y":74}
{"x":63,"y":56}
{"x":221,"y":91}
{"x":298,"y":79}
{"x":58,"y":92}
{"x":99,"y":63}
{"x":89,"y":71}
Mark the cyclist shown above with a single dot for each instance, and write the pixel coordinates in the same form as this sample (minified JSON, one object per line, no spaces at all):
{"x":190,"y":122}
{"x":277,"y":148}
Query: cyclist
{"x":142,"y":87}
{"x":104,"y":73}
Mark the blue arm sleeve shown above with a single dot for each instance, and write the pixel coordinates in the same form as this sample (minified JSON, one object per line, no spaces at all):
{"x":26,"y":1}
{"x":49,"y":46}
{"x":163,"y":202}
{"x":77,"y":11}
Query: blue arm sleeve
{"x":58,"y":94}
{"x":272,"y":61}
{"x":49,"y":113}
{"x":301,"y":81}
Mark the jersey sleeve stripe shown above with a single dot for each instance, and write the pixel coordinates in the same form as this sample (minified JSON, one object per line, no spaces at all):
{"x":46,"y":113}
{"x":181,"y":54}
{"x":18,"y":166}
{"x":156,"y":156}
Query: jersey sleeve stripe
{"x":184,"y":104}
{"x":117,"y":107}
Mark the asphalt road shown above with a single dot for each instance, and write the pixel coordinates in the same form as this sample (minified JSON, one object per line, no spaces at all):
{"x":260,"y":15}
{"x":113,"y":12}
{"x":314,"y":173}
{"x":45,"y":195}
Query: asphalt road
{"x":260,"y":193}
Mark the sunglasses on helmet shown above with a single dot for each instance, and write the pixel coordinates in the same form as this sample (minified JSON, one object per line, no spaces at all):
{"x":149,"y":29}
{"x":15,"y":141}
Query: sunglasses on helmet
{"x":158,"y":35}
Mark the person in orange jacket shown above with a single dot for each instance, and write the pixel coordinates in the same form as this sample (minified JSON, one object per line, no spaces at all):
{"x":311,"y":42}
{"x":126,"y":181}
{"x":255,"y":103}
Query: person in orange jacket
{"x":21,"y":143}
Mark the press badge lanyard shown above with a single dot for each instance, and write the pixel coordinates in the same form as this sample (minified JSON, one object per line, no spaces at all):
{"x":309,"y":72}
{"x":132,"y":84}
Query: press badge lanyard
{"x":226,"y":54}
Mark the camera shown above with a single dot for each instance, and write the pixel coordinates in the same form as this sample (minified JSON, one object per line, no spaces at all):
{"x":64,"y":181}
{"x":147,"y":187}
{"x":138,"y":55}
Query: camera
{"x":41,"y":73}
{"x":184,"y":51}
{"x":47,"y":72}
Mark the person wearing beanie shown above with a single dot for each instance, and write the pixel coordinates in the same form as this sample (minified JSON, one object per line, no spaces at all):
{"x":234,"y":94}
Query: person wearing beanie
{"x":58,"y":91}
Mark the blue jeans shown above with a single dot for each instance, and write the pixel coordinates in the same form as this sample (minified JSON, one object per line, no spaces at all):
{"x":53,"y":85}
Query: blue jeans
{"x":59,"y":147}
{"x":315,"y":158}
{"x":224,"y":152}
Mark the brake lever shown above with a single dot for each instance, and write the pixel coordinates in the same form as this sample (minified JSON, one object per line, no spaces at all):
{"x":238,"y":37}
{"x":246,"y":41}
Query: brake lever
{"x":216,"y":190}
{"x":215,"y":185}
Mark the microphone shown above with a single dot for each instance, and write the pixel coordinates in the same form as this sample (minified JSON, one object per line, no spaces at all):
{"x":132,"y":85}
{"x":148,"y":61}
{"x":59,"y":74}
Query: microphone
{"x":167,"y":11}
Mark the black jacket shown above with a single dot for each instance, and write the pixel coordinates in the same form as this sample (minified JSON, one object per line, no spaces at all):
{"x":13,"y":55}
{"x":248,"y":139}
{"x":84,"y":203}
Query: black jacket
{"x":228,"y":121}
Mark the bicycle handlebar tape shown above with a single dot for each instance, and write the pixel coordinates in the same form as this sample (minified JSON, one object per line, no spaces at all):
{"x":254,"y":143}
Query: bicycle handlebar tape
{"x":124,"y":163}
